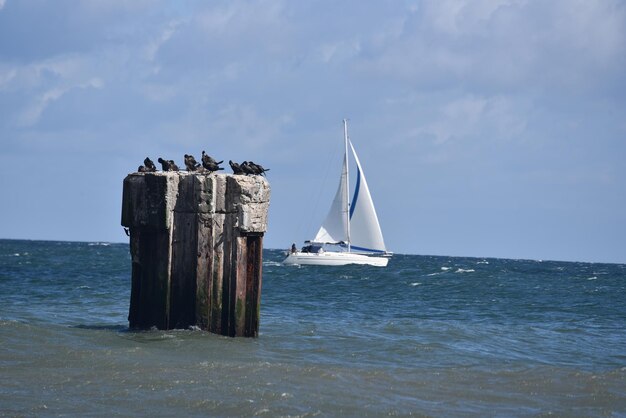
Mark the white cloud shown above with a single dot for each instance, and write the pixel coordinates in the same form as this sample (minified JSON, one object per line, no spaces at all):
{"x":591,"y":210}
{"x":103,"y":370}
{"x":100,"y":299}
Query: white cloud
{"x":460,"y":17}
{"x":251,"y":129}
{"x":153,"y":47}
{"x":481,"y":119}
{"x":6,"y":76}
{"x":242,"y":18}
{"x":30,"y":116}
{"x":505,"y":45}
{"x":39,"y":84}
{"x":339,"y":51}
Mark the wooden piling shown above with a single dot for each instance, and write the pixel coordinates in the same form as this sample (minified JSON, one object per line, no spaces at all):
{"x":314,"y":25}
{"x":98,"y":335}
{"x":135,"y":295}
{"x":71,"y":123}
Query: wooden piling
{"x":196,"y":244}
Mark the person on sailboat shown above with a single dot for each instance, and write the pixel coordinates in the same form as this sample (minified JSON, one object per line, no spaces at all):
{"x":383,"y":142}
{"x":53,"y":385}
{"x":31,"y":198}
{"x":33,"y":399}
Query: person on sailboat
{"x":293,"y":248}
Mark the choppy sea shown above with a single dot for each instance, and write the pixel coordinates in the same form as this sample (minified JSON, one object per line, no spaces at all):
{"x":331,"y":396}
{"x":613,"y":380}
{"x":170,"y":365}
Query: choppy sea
{"x":426,"y":336}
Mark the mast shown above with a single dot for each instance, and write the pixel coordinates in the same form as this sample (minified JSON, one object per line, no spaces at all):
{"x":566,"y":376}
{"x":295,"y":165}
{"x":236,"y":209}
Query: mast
{"x":347,"y":188}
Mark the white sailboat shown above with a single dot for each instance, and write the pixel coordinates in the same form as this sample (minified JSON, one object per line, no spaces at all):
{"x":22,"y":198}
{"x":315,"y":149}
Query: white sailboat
{"x":350,"y":234}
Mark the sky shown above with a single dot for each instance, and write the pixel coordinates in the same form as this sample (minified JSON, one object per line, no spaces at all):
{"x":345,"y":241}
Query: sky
{"x":486,"y":128}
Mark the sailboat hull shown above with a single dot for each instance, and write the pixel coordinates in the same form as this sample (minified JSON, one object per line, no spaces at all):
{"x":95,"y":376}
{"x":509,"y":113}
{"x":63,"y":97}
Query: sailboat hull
{"x":332,"y":258}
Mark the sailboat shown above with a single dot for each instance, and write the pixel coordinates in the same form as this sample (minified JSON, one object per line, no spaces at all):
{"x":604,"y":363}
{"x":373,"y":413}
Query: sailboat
{"x":351,"y":233}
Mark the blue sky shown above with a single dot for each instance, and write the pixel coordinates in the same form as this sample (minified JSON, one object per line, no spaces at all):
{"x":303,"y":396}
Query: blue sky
{"x":486,"y":128}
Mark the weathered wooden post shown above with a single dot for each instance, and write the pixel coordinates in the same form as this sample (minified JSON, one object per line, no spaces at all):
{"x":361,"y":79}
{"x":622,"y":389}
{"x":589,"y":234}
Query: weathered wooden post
{"x":196,"y":243}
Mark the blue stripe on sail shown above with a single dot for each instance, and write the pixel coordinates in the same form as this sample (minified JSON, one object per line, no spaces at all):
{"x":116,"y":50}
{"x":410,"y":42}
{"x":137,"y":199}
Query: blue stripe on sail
{"x":356,"y":191}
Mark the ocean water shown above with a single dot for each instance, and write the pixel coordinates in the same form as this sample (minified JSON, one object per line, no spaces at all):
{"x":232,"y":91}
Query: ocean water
{"x":427,"y":336}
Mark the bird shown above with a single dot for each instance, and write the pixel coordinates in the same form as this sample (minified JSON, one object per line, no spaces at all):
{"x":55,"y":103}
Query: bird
{"x":247,"y":168}
{"x":209,"y":163}
{"x":165,"y":164}
{"x":208,"y":160}
{"x":236,"y":167}
{"x":252,"y":168}
{"x":149,"y":165}
{"x":173,"y":166}
{"x":259,"y":168}
{"x":168,"y":165}
{"x":190,"y":163}
{"x":142,"y":169}
{"x":211,"y":167}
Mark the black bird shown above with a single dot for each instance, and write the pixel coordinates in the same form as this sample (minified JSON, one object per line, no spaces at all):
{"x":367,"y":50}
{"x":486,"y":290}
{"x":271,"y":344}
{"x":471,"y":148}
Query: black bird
{"x":149,"y":165}
{"x":236,"y":167}
{"x":248,"y":168}
{"x":209,"y":163}
{"x":206,"y":158}
{"x":211,"y":167}
{"x":173,"y":166}
{"x":168,"y":165}
{"x":190,"y":163}
{"x":165,"y":164}
{"x":142,"y":169}
{"x":259,"y":168}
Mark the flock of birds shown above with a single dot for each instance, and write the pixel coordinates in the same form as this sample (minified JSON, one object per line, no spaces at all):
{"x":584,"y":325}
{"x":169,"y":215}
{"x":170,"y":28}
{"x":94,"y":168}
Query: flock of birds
{"x":208,"y":165}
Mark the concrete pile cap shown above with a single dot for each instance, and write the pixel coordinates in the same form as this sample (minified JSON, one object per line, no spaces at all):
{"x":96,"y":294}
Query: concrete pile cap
{"x":150,"y":198}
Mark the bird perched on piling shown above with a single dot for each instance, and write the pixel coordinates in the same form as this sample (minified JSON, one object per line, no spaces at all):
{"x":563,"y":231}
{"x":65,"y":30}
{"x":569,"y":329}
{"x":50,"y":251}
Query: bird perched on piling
{"x":251,"y":168}
{"x":165,"y":165}
{"x":190,"y":163}
{"x":236,"y":167}
{"x":247,"y":168}
{"x":258,"y":168}
{"x":168,"y":165}
{"x":149,"y":165}
{"x":206,"y":158}
{"x":211,"y":167}
{"x":209,"y":163}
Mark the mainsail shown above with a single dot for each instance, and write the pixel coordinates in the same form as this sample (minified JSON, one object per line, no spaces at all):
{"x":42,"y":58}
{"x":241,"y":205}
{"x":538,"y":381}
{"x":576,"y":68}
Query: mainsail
{"x":355,"y":224}
{"x":365,"y":233}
